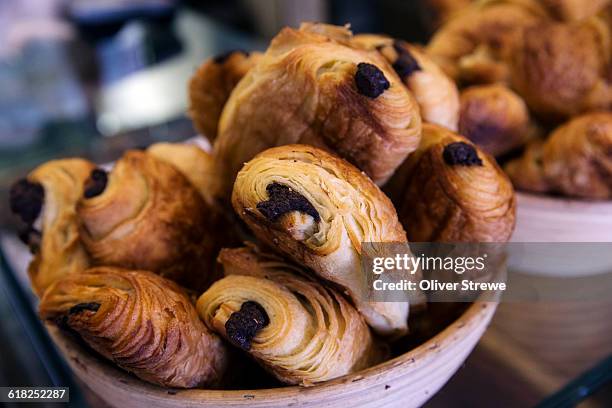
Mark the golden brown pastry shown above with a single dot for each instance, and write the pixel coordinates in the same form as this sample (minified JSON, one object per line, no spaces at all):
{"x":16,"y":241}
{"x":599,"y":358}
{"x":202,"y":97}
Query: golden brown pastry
{"x":46,"y":202}
{"x":454,"y":192}
{"x":495,"y":118}
{"x":211,"y":85}
{"x":435,"y":92}
{"x":146,"y":215}
{"x":318,"y":209}
{"x":474,"y":47}
{"x":140,"y":321}
{"x":562,"y":69}
{"x":194,"y":163}
{"x":298,"y":329}
{"x":575,"y":160}
{"x":313,"y":87}
{"x":574,"y":10}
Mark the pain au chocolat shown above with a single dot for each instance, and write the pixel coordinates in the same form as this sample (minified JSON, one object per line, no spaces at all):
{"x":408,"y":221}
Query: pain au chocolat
{"x":313,"y":87}
{"x":140,"y":321}
{"x":145,"y":214}
{"x":318,"y":209}
{"x":300,"y":330}
{"x":46,"y":203}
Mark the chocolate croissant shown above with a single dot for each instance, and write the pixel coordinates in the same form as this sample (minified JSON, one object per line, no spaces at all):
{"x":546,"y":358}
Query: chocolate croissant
{"x":140,"y":321}
{"x":313,"y":87}
{"x":298,"y":329}
{"x":474,"y":47}
{"x":318,"y":209}
{"x":435,"y":93}
{"x":454,"y":192}
{"x":211,"y":85}
{"x":495,"y":118}
{"x":194,"y":163}
{"x":575,"y":160}
{"x":146,"y":215}
{"x":563,"y":69}
{"x":46,"y":202}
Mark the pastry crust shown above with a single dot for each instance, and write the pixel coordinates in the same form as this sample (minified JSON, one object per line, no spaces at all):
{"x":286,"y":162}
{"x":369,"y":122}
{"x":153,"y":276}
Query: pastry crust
{"x":143,"y":323}
{"x":562,"y":69}
{"x":318,"y":209}
{"x":475,"y":46}
{"x":313,"y":87}
{"x":495,"y":118}
{"x":54,"y":238}
{"x":435,"y":93}
{"x":312,"y":334}
{"x":148,"y":216}
{"x":194,"y":163}
{"x":575,"y":10}
{"x":574,"y":161}
{"x":454,"y":192}
{"x":211,"y":85}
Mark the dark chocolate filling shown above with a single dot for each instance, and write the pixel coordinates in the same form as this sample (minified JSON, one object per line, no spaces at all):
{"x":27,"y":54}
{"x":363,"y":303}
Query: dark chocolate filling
{"x":221,"y":58}
{"x":96,"y":183}
{"x":283,"y":200}
{"x":461,"y":153}
{"x":370,"y":80}
{"x":405,"y":64}
{"x":26,"y":200}
{"x":78,"y":308}
{"x":242,"y":326}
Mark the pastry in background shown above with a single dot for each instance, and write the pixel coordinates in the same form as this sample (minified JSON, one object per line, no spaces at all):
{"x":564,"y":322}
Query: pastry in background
{"x":211,"y":85}
{"x":318,"y":210}
{"x":475,"y":46}
{"x":574,"y":10}
{"x":312,"y":87}
{"x":46,"y":202}
{"x":574,"y":161}
{"x":439,"y":11}
{"x":140,"y":321}
{"x":146,"y":215}
{"x":197,"y":165}
{"x":298,"y":329}
{"x":454,"y":192}
{"x":495,"y":118}
{"x":563,"y":69}
{"x":435,"y":92}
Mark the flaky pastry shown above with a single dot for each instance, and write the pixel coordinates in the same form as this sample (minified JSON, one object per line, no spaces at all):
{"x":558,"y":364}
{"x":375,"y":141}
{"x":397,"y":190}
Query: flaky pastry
{"x":298,"y":329}
{"x":454,"y":192}
{"x":211,"y":85}
{"x":145,"y":214}
{"x":46,"y":202}
{"x":575,"y":160}
{"x":435,"y":92}
{"x":495,"y":118}
{"x":140,"y":321}
{"x":312,"y":87}
{"x":318,"y":209}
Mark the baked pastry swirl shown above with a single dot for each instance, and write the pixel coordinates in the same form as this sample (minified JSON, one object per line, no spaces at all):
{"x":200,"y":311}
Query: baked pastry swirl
{"x":146,"y":215}
{"x":46,"y":202}
{"x":140,"y":321}
{"x":475,"y":46}
{"x":495,"y":118}
{"x":436,"y":94}
{"x":312,"y":87}
{"x":318,"y":209}
{"x":575,"y":160}
{"x":563,"y":69}
{"x":298,"y":329}
{"x":454,"y":192}
{"x":211,"y":85}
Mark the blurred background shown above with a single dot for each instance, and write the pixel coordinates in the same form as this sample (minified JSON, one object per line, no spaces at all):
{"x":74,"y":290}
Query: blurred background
{"x":92,"y":78}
